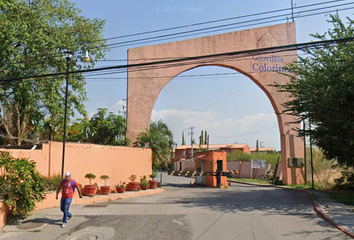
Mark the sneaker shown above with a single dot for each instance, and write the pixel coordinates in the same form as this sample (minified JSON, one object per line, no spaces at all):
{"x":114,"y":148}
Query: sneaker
{"x":63,"y":225}
{"x":69,"y":218}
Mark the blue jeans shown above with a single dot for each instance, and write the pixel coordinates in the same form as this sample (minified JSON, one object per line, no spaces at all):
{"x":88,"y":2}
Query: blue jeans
{"x":64,"y":207}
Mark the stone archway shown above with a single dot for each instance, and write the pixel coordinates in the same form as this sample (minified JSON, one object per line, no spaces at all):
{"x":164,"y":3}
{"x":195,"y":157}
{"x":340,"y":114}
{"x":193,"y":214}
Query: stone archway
{"x":145,"y":83}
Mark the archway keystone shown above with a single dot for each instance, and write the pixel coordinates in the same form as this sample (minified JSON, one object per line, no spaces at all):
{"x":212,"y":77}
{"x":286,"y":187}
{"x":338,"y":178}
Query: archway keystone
{"x":145,"y":83}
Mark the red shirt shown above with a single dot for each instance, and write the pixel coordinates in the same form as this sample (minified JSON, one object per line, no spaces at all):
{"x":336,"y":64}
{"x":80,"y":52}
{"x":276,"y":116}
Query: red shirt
{"x":67,"y":189}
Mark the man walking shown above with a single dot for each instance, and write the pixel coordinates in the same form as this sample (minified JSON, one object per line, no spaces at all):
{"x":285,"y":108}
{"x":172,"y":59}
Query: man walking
{"x":68,"y":186}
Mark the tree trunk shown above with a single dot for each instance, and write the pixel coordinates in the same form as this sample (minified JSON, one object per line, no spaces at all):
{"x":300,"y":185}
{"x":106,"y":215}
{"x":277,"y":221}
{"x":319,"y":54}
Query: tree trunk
{"x":2,"y":123}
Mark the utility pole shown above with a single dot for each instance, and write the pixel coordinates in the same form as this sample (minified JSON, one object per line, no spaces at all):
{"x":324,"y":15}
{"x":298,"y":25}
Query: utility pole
{"x":311,"y":158}
{"x":125,"y":117}
{"x":124,"y":110}
{"x":208,"y":143}
{"x":305,"y":157}
{"x":191,"y":133}
{"x":292,"y":10}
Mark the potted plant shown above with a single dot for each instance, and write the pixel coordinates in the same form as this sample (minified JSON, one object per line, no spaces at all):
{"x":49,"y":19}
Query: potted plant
{"x":152,"y":182}
{"x":121,"y":187}
{"x":90,"y":190}
{"x":144,"y":184}
{"x":105,"y":190}
{"x":133,"y":185}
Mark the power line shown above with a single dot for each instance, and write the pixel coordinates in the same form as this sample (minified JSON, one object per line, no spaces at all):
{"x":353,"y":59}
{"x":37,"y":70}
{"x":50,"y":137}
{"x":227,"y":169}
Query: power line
{"x":224,"y":29}
{"x":193,"y":59}
{"x":233,"y":18}
{"x":256,"y":14}
{"x":262,"y":20}
{"x":92,"y":76}
{"x":220,"y":20}
{"x":243,"y":135}
{"x":183,"y":76}
{"x":217,"y":101}
{"x":177,"y":62}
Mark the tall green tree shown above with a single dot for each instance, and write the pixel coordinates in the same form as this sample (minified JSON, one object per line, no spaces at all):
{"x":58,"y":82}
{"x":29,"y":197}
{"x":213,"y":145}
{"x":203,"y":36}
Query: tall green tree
{"x":33,"y":36}
{"x":183,"y":141}
{"x":322,"y":92}
{"x":201,"y":138}
{"x":162,"y":127}
{"x":107,"y":128}
{"x":103,"y":128}
{"x":160,"y":139}
{"x":206,"y":137}
{"x":80,"y":131}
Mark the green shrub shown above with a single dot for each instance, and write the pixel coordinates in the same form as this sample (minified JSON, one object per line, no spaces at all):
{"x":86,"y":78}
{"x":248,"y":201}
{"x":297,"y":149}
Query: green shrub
{"x":90,"y":177}
{"x":22,"y":185}
{"x":104,"y":178}
{"x":153,"y":175}
{"x":144,"y":181}
{"x":346,"y":181}
{"x":52,"y":183}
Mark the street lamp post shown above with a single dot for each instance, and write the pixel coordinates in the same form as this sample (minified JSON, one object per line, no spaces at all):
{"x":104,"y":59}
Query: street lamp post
{"x":68,"y":55}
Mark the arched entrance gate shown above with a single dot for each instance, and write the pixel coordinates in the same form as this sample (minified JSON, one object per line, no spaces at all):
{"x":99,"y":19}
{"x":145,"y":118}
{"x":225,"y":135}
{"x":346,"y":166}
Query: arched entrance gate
{"x":145,"y":83}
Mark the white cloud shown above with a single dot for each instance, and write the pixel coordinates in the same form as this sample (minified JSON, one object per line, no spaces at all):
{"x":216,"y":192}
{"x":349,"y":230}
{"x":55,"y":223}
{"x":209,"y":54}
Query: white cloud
{"x":91,"y":114}
{"x":115,"y":108}
{"x":118,"y":106}
{"x":222,"y":129}
{"x":181,"y":119}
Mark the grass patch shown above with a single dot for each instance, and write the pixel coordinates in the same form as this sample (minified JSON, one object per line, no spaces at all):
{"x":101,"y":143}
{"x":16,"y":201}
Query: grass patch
{"x":301,"y":186}
{"x":343,"y":196}
{"x":261,"y":181}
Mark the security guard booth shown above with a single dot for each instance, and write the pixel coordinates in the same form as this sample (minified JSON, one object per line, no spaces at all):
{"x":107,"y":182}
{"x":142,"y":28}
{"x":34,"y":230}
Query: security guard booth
{"x":211,"y":165}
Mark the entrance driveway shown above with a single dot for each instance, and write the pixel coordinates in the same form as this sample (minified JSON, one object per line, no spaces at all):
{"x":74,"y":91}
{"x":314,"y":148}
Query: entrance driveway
{"x":183,"y":212}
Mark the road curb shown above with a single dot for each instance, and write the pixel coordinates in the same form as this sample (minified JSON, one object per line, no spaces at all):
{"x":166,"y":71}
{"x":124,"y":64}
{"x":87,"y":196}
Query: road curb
{"x":317,"y":207}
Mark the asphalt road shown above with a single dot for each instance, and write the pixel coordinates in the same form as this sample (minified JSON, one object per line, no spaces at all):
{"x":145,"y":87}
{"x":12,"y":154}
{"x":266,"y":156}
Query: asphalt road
{"x":241,"y":212}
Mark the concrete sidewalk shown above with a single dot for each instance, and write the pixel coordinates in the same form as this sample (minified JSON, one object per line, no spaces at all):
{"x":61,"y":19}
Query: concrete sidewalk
{"x":46,"y":223}
{"x":339,"y":215}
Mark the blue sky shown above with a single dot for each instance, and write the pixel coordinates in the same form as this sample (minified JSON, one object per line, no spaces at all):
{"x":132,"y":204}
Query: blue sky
{"x":240,"y":111}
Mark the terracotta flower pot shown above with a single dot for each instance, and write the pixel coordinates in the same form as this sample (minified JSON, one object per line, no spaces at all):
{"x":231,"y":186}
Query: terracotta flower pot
{"x":153,"y":184}
{"x":133,"y":186}
{"x":105,"y":190}
{"x":120,"y":189}
{"x":143,"y":187}
{"x":89,"y":190}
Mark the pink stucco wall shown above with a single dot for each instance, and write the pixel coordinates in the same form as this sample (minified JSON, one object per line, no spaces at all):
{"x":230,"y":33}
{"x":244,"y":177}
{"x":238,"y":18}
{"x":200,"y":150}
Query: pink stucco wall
{"x":186,"y":166}
{"x":4,"y":210}
{"x":244,"y":169}
{"x":116,"y":162}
